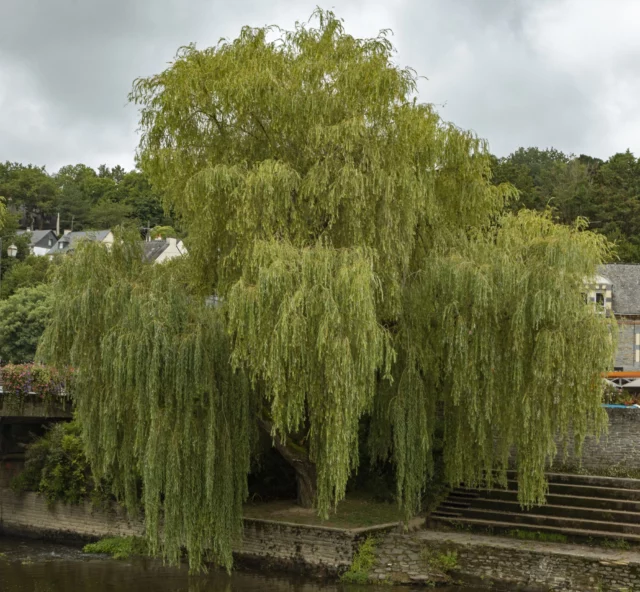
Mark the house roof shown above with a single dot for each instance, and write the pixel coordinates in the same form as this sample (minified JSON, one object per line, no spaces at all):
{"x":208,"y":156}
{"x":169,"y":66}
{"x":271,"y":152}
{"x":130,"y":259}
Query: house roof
{"x":67,"y":242}
{"x":625,"y":280}
{"x":153,"y":249}
{"x":37,"y":236}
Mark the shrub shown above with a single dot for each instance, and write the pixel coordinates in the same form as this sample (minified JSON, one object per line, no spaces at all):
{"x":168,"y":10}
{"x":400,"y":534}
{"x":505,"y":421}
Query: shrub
{"x":119,"y":547}
{"x":57,"y":467}
{"x":362,"y":564}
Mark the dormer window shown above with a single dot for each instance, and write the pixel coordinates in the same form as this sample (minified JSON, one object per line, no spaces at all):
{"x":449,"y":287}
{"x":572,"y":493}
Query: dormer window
{"x":600,"y":298}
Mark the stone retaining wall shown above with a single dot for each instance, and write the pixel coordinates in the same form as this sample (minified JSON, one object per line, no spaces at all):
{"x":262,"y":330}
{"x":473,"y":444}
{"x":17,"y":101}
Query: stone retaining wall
{"x":520,"y":565}
{"x":412,"y":558}
{"x":619,"y":450}
{"x":316,"y":549}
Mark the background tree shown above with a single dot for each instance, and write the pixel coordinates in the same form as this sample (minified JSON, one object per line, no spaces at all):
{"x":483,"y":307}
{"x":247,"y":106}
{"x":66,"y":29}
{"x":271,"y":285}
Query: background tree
{"x":30,"y":272}
{"x":29,"y":190}
{"x":23,"y":317}
{"x":607,"y":193}
{"x":362,"y":264}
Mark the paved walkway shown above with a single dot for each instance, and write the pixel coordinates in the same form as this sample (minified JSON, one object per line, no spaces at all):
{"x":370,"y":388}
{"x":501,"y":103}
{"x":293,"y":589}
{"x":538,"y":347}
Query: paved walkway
{"x":604,"y":555}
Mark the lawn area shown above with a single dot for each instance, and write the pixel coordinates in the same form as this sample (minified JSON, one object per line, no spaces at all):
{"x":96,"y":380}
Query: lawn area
{"x":353,"y":512}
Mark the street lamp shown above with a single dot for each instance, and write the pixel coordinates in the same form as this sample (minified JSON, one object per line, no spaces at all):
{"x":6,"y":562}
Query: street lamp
{"x":12,"y":251}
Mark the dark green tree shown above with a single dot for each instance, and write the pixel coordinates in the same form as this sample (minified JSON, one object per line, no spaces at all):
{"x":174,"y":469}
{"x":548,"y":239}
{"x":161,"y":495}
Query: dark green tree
{"x":29,"y":191}
{"x":23,"y":317}
{"x":30,"y":272}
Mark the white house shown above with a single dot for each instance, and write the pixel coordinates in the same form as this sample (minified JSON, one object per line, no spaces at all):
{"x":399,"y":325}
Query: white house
{"x":40,"y":241}
{"x":70,"y":240}
{"x":159,"y":251}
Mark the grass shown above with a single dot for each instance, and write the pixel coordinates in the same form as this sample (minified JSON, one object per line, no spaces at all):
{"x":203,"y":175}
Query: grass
{"x":544,"y":537}
{"x":441,"y":562}
{"x":619,"y":544}
{"x":363,"y":562}
{"x":353,"y":512}
{"x":118,"y":547}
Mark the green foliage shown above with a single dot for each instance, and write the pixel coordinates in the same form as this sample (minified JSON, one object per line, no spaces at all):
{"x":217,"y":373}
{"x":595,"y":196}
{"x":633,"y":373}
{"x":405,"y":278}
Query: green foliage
{"x":363,"y":562}
{"x":23,"y":317}
{"x":439,"y":562}
{"x":30,"y":272}
{"x":175,"y":401}
{"x":163,"y":232}
{"x":118,"y":547}
{"x":83,"y":197}
{"x":362,"y":264}
{"x":619,"y":544}
{"x":56,"y":466}
{"x":44,"y":382}
{"x":605,"y":192}
{"x":28,"y":187}
{"x":3,"y":212}
{"x":545,"y":537}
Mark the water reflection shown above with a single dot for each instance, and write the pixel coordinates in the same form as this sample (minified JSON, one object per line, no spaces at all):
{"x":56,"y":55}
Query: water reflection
{"x":39,"y":567}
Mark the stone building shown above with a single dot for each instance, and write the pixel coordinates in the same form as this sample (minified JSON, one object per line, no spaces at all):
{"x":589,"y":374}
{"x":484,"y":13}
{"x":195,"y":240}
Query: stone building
{"x":617,"y":289}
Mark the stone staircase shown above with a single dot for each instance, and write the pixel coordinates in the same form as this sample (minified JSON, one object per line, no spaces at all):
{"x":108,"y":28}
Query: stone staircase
{"x":579,"y":507}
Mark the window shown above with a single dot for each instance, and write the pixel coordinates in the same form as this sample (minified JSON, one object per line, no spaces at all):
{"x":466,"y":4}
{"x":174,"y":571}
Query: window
{"x":600,"y":298}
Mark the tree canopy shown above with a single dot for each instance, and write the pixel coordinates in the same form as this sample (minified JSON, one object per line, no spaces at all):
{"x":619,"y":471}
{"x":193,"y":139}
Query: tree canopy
{"x":361,"y":263}
{"x":607,"y":193}
{"x":23,"y":317}
{"x":83,"y":197}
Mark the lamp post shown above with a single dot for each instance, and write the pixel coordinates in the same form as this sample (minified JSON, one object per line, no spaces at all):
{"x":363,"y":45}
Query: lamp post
{"x":12,"y":251}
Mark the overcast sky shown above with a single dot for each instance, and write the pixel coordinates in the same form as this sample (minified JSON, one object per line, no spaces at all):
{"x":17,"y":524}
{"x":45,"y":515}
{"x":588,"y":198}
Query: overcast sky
{"x":561,"y":73}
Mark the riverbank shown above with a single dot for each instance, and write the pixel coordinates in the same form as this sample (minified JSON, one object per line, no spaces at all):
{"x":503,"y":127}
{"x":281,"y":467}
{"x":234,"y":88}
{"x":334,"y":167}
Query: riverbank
{"x":33,"y":565}
{"x":422,"y":557}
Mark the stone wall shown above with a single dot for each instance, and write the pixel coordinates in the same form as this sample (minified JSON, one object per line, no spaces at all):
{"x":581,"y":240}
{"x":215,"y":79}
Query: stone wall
{"x":482,"y":560}
{"x":619,"y":450}
{"x":29,"y":514}
{"x":32,"y":406}
{"x":316,"y":549}
{"x":404,"y":558}
{"x":625,"y":354}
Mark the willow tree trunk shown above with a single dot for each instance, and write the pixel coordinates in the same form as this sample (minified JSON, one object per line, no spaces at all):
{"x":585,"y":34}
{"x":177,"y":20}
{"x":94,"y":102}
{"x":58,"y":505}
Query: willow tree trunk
{"x":298,"y":457}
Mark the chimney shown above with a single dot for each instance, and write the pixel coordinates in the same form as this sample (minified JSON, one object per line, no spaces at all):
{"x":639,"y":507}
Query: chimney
{"x":66,"y":232}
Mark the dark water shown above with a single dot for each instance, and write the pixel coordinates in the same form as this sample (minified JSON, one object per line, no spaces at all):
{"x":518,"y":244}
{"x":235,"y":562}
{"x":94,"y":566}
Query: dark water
{"x":28,"y":566}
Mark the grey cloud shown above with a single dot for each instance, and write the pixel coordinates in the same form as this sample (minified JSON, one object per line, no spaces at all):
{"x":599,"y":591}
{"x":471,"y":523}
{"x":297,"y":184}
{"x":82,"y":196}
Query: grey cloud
{"x":66,"y":67}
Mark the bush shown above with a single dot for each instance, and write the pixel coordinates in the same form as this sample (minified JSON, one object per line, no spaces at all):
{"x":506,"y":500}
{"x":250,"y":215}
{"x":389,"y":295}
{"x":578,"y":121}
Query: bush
{"x":23,"y":317}
{"x":118,"y":547}
{"x":57,"y":467}
{"x":362,"y":564}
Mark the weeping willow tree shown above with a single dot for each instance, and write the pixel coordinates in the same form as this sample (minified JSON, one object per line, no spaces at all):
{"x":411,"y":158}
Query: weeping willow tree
{"x":360,"y":264}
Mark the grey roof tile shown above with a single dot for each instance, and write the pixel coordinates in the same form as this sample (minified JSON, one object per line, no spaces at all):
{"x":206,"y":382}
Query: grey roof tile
{"x":153,"y":249}
{"x":625,"y":279}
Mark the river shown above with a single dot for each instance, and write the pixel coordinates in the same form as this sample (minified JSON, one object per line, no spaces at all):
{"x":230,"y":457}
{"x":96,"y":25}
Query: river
{"x":30,"y":566}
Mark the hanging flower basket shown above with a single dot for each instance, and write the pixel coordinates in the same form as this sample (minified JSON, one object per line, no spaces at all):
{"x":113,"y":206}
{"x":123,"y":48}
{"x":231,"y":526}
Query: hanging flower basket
{"x":34,"y":382}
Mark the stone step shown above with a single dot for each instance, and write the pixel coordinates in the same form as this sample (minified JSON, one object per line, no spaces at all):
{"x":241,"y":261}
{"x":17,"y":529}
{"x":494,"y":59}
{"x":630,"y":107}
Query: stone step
{"x":554,"y":499}
{"x":581,"y":490}
{"x":605,"y":514}
{"x":567,"y":478}
{"x":561,"y":522}
{"x":497,"y":526}
{"x":453,"y":503}
{"x":447,"y":512}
